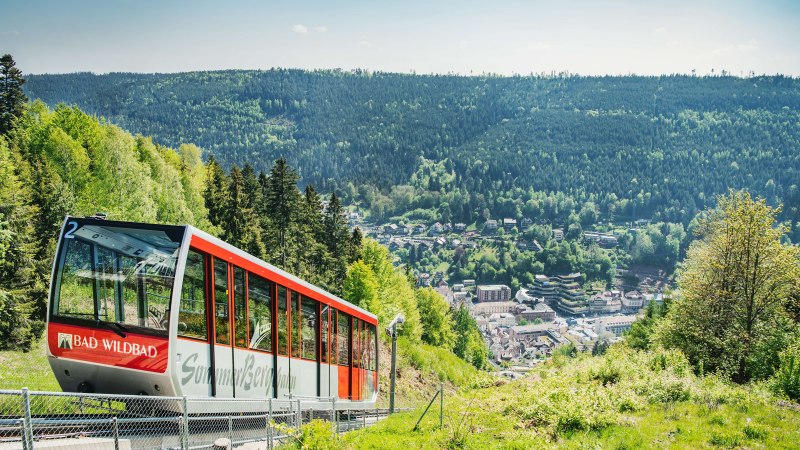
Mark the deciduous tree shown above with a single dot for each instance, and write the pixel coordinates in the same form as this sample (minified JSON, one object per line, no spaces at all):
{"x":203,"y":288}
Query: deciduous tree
{"x":734,"y":288}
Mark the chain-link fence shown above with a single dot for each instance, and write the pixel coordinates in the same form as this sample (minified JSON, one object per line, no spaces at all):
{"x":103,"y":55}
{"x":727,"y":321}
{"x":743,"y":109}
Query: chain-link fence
{"x":31,"y":420}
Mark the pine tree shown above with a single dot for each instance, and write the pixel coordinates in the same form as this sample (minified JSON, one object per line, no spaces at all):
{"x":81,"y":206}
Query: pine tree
{"x":12,"y":99}
{"x":337,"y":237}
{"x":216,"y":194}
{"x":281,"y":202}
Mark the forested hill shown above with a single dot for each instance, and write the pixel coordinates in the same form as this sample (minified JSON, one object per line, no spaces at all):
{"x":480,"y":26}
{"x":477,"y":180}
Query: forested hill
{"x":630,"y":146}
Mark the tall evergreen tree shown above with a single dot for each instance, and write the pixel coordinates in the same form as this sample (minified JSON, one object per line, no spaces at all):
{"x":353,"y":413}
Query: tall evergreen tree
{"x":216,"y":194}
{"x":281,"y":201}
{"x":12,"y":99}
{"x":337,"y":237}
{"x":243,"y":227}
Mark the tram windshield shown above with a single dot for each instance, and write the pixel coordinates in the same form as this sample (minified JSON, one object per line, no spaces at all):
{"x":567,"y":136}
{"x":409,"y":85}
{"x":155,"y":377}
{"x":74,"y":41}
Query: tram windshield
{"x":116,"y":274}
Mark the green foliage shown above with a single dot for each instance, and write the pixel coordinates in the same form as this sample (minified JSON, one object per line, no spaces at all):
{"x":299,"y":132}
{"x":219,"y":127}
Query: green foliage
{"x":734,"y":288}
{"x":315,"y":435}
{"x":566,"y":150}
{"x":439,"y":361}
{"x":469,"y":344}
{"x":361,"y":286}
{"x":787,"y":379}
{"x":66,"y":162}
{"x":639,"y":336}
{"x":12,"y":99}
{"x":437,"y":328}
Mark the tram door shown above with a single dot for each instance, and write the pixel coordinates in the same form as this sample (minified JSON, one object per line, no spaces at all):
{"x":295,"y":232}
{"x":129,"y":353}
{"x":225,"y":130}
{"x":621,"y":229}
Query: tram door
{"x":343,"y":344}
{"x":223,"y":344}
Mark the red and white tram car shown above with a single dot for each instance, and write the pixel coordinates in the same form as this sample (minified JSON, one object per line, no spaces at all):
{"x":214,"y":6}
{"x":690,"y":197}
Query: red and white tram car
{"x":173,"y":311}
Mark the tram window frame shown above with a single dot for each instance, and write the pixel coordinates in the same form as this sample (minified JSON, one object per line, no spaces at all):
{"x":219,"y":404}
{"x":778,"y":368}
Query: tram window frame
{"x":334,"y":349}
{"x":203,"y":301}
{"x":282,"y":322}
{"x":354,"y":347}
{"x":324,"y":333}
{"x":252,"y":280}
{"x":239,"y":317}
{"x":307,"y":305}
{"x":295,"y":316}
{"x":226,"y":319}
{"x":375,"y":348}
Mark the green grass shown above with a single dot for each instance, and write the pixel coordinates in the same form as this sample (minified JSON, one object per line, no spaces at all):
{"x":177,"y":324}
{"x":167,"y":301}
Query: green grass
{"x":31,"y":370}
{"x":445,"y":365}
{"x":623,"y":400}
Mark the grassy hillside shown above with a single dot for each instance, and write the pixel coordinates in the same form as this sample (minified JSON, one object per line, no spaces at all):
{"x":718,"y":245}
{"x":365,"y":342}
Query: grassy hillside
{"x":31,"y":370}
{"x":623,"y":400}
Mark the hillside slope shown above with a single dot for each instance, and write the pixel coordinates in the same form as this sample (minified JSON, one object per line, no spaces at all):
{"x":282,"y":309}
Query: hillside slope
{"x":604,"y":139}
{"x":623,"y":400}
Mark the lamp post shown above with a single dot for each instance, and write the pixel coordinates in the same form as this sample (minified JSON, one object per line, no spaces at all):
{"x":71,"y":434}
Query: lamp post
{"x":391,"y":330}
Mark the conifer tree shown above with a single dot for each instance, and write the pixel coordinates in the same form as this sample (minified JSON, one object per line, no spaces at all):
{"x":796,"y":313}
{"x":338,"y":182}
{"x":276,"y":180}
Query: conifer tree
{"x":243,"y":229}
{"x":216,"y":194}
{"x":337,"y":237}
{"x":281,"y":201}
{"x":12,"y":99}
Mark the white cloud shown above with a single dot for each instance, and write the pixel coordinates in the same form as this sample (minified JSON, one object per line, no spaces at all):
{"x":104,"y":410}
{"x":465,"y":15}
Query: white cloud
{"x":321,"y":29}
{"x":659,"y":30}
{"x":300,"y":28}
{"x":11,"y":33}
{"x":364,"y":44}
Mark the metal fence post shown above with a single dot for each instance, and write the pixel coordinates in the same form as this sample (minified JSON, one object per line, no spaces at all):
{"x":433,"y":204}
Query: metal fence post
{"x":115,"y":429}
{"x":27,"y":425}
{"x":230,"y":430}
{"x":269,"y":426}
{"x":335,"y":416}
{"x":299,"y":415}
{"x":185,"y":424}
{"x":21,"y":423}
{"x":441,"y":405}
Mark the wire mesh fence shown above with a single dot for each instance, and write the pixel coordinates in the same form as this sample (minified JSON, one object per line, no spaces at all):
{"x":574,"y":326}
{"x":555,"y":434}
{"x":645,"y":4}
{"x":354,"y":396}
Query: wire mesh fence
{"x":30,"y":420}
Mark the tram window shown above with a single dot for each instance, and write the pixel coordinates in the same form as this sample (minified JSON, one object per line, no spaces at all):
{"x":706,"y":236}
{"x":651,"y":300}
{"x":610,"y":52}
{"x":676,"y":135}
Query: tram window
{"x":239,"y":308}
{"x":192,"y":314}
{"x":283,"y":324}
{"x":309,"y":328}
{"x":132,"y":312}
{"x":296,"y":316}
{"x":259,"y":308}
{"x":77,"y":290}
{"x":344,"y":340}
{"x":324,"y":332}
{"x":108,"y":273}
{"x":221,"y":321}
{"x":106,"y":294}
{"x":356,"y":359}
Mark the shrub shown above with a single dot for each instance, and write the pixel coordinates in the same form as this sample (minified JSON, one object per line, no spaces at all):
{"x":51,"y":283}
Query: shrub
{"x":787,"y":380}
{"x":755,"y":432}
{"x":317,"y":435}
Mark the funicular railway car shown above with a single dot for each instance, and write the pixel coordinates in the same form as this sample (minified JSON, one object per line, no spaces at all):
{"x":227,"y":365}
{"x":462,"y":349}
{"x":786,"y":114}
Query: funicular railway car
{"x":172,"y":311}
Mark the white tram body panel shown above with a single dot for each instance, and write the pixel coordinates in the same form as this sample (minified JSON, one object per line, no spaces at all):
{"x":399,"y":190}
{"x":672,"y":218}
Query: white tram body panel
{"x":172,"y":311}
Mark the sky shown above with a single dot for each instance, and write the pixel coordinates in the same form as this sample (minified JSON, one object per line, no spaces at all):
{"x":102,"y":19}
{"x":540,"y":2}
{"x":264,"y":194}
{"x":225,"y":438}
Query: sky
{"x":588,"y":37}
